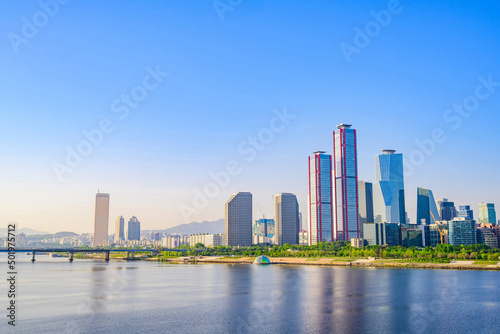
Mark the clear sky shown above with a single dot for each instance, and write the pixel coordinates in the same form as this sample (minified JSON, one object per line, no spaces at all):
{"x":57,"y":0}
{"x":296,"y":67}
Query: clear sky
{"x":231,"y":68}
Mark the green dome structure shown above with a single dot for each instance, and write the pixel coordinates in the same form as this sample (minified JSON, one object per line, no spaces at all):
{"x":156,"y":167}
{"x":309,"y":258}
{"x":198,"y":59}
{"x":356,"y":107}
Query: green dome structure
{"x":262,"y":260}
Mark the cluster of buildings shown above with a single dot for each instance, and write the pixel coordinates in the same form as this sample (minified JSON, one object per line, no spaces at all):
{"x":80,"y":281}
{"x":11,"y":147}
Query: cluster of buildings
{"x":343,"y":208}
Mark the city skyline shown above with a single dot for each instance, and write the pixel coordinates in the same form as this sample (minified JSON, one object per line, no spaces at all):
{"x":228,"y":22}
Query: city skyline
{"x":168,"y":146}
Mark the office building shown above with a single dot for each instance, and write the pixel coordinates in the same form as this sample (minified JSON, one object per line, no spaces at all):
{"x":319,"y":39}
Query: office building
{"x":345,"y":171}
{"x":411,"y":236}
{"x":320,"y":198}
{"x":357,"y":242}
{"x":382,"y":234}
{"x":239,"y":220}
{"x":101,"y":219}
{"x":427,"y":212}
{"x":134,"y":229}
{"x":365,"y":195}
{"x":487,"y":236}
{"x":213,"y":240}
{"x":388,"y":191}
{"x":465,"y":212}
{"x":446,"y":209}
{"x":263,"y":227}
{"x":462,"y":232}
{"x":286,"y":213}
{"x":120,"y":229}
{"x":487,"y":214}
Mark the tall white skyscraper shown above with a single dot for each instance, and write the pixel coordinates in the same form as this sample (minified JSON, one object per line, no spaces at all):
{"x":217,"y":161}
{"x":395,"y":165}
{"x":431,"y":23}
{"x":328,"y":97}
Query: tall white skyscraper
{"x":239,"y":220}
{"x":345,"y":170}
{"x":389,"y":190}
{"x":101,"y":219}
{"x":286,"y":211}
{"x":320,"y":198}
{"x":120,"y":229}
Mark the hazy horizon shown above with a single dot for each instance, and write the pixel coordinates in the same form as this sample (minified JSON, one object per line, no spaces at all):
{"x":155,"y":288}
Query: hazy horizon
{"x":160,"y":97}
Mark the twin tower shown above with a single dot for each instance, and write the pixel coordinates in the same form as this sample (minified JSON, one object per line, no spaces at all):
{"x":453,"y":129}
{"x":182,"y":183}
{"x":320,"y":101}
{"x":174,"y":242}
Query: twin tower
{"x":334,"y":211}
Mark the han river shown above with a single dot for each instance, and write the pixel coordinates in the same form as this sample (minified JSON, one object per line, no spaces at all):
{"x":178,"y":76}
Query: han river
{"x":92,"y":296}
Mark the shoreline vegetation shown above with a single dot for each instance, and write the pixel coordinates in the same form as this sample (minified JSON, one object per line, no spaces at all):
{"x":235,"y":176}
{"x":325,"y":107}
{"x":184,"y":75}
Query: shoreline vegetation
{"x":335,"y":254}
{"x":341,"y":254}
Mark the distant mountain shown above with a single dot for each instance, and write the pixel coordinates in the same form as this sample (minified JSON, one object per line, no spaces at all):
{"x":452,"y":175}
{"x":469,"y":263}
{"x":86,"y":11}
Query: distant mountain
{"x":214,"y":227}
{"x":25,"y":230}
{"x":65,"y":234}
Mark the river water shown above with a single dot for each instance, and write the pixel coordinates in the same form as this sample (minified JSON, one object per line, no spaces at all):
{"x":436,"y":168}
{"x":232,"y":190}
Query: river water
{"x":92,"y":296}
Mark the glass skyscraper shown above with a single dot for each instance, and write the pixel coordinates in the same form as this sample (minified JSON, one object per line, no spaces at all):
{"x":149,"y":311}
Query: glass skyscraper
{"x":465,"y":212}
{"x":388,"y":191}
{"x":425,"y":205}
{"x":120,"y":229}
{"x":365,"y":195}
{"x":345,"y":173}
{"x":239,"y":220}
{"x":320,"y":198}
{"x":134,"y":229}
{"x":446,"y":209}
{"x":286,"y":213}
{"x":487,"y":214}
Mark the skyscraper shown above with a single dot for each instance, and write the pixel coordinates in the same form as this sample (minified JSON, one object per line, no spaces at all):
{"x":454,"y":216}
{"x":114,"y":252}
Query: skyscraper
{"x":425,"y":205}
{"x":365,"y":194}
{"x":286,"y":210}
{"x":134,"y":229}
{"x":239,"y":220}
{"x":388,"y":191}
{"x":345,"y":170}
{"x":465,"y":212}
{"x":320,"y":198}
{"x":120,"y":229}
{"x":446,"y":209}
{"x":487,"y":214}
{"x":101,"y":219}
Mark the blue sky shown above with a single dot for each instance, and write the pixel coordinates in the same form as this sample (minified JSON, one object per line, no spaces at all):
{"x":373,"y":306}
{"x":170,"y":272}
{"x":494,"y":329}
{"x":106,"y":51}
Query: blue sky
{"x":225,"y":79}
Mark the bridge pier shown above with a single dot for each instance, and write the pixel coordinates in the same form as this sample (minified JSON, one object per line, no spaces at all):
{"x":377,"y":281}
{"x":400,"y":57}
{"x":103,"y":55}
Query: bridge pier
{"x":33,"y":258}
{"x":70,"y":256}
{"x":107,"y":256}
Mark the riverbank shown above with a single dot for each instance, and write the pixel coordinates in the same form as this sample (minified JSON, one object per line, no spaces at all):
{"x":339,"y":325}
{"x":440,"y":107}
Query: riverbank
{"x":339,"y":262}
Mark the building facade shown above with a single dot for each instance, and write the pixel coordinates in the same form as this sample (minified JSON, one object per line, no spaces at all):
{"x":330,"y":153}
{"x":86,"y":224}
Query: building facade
{"x":446,"y":209}
{"x":427,"y":212}
{"x":286,"y":213}
{"x":464,"y":211}
{"x":101,"y":219}
{"x":134,"y":229}
{"x":462,"y":232}
{"x":365,"y":195}
{"x":487,"y":236}
{"x":320,"y":198}
{"x":120,"y":229}
{"x":382,"y":234}
{"x":345,"y":171}
{"x":388,"y":191}
{"x":239,"y":220}
{"x":487,"y":214}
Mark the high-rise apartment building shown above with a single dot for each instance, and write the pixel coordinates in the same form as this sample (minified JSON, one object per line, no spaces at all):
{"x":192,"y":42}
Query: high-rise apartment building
{"x":134,"y":229}
{"x":446,"y":209}
{"x":388,"y":191}
{"x":465,"y":212}
{"x":286,"y":213}
{"x":365,"y":195}
{"x":427,"y":212}
{"x":101,"y":219}
{"x":487,"y":214}
{"x":345,"y":171}
{"x":320,"y":198}
{"x":120,"y":229}
{"x":239,"y":220}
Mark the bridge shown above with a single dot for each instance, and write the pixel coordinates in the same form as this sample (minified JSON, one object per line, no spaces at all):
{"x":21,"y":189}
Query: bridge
{"x":72,"y":251}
